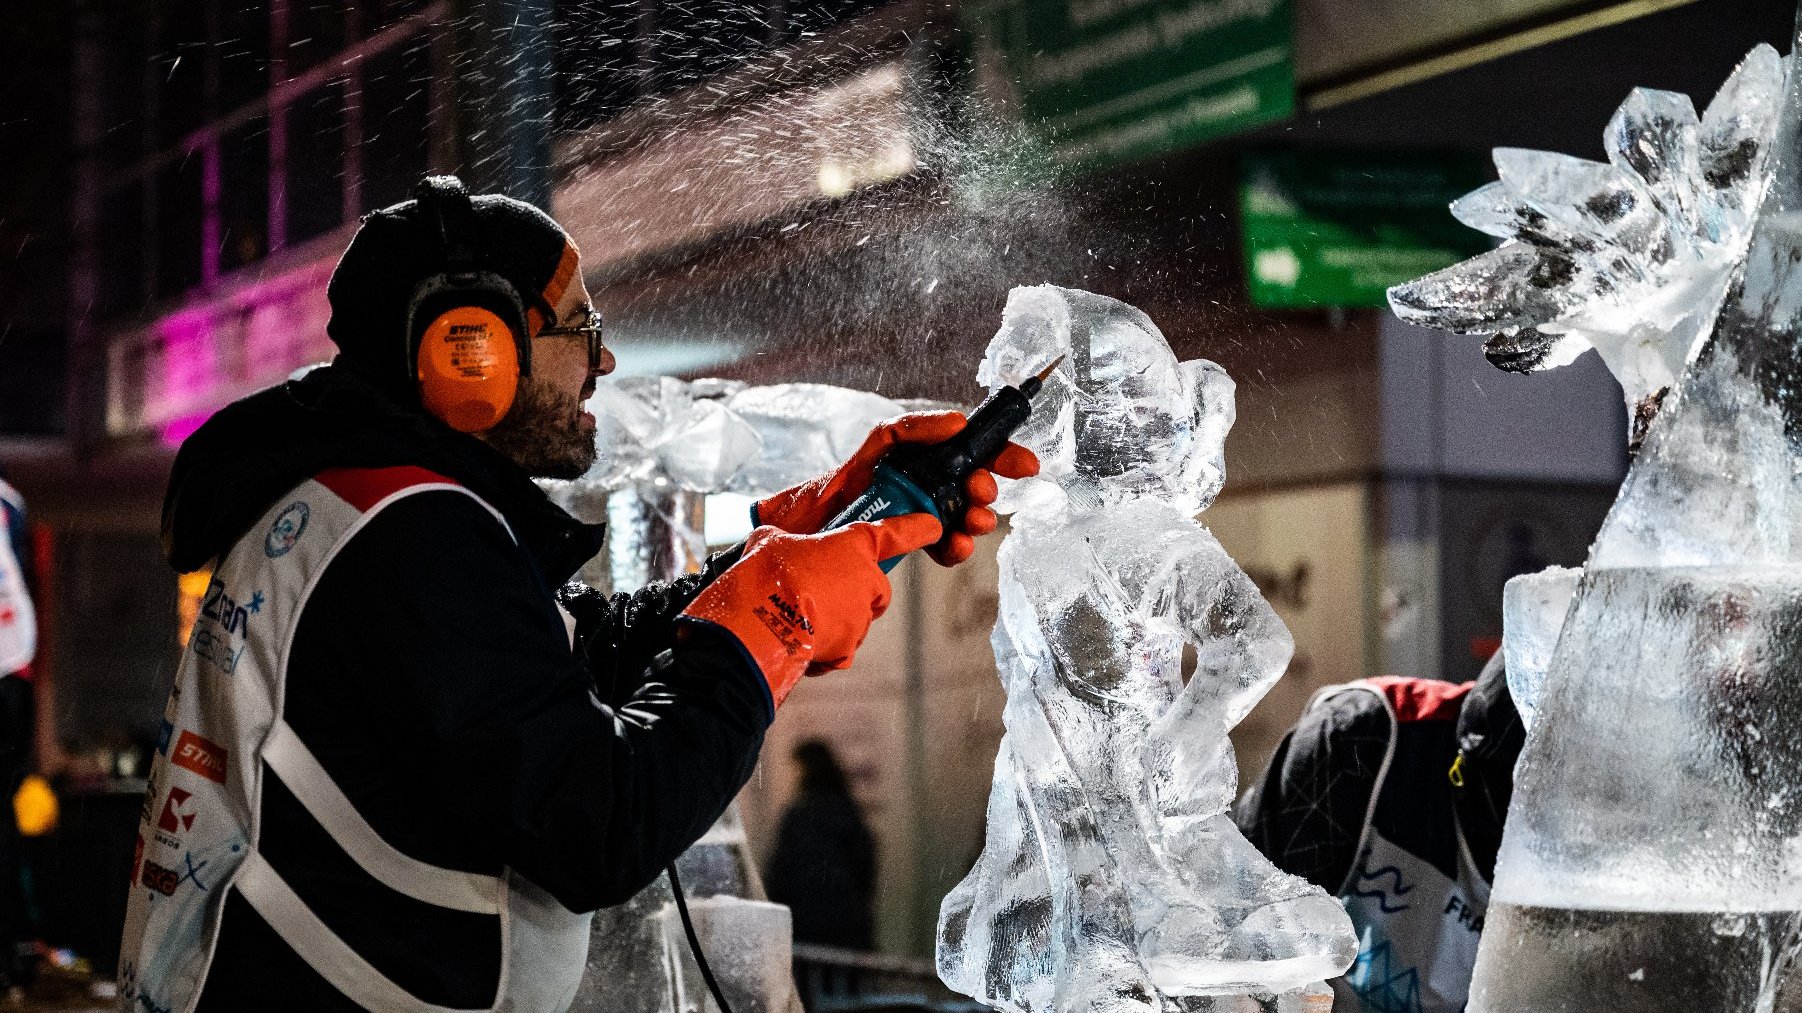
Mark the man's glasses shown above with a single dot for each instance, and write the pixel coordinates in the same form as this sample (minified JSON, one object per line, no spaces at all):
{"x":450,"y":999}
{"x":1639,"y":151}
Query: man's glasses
{"x":588,"y":330}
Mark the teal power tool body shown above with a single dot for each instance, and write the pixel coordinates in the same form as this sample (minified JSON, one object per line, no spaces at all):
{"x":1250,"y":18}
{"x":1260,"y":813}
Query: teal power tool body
{"x":929,"y":478}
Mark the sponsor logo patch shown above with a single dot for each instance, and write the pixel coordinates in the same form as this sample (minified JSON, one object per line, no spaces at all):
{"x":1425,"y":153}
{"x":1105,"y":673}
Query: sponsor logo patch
{"x":159,"y":879}
{"x":167,"y":881}
{"x":225,"y":621}
{"x":287,"y":529}
{"x":176,"y":817}
{"x":200,"y":755}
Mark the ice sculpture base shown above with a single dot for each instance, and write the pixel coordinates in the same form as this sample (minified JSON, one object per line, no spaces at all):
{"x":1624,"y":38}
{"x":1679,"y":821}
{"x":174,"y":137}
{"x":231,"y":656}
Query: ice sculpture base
{"x":1178,"y":977}
{"x":1564,"y":960}
{"x":1315,"y":998}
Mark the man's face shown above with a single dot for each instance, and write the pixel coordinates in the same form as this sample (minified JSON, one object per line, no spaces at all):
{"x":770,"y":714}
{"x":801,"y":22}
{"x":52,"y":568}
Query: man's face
{"x":547,"y":432}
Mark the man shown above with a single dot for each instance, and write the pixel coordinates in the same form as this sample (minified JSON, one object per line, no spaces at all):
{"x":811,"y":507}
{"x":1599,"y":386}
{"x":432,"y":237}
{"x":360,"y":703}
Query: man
{"x":824,"y":863}
{"x":18,"y":646}
{"x":1390,"y":793}
{"x":394,"y":774}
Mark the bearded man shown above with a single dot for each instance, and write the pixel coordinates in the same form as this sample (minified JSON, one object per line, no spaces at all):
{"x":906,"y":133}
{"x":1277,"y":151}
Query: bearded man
{"x":400,"y":764}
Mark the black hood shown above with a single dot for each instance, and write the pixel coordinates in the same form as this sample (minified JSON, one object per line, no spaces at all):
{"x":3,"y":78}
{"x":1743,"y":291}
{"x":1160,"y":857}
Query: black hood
{"x":254,"y":451}
{"x":1490,"y":738}
{"x":1489,"y":726}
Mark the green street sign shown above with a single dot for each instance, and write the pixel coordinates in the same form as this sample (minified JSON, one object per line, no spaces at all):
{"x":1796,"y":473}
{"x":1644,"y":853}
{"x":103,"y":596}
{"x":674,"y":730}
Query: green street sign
{"x":1111,"y":81}
{"x":1326,"y":229}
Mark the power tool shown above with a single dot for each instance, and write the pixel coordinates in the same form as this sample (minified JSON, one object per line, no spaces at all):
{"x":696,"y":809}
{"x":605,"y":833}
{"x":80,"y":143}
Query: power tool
{"x":929,"y":478}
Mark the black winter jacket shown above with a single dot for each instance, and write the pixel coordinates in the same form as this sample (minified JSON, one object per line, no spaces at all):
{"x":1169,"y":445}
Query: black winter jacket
{"x":1306,"y":813}
{"x":431,"y":675}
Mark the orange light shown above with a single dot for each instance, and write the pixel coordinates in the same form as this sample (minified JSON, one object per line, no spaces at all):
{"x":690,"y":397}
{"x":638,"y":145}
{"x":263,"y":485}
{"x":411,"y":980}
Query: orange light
{"x":189,"y":589}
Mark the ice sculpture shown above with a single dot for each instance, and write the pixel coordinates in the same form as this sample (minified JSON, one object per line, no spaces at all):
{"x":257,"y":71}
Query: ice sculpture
{"x":1652,"y":859}
{"x":664,"y":444}
{"x":1112,"y":878}
{"x":1533,"y":609}
{"x":1630,"y":257}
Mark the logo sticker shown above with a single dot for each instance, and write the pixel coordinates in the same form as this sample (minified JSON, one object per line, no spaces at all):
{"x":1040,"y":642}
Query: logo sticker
{"x":200,"y":755}
{"x":176,"y":816}
{"x":219,"y":637}
{"x":286,"y":530}
{"x":163,"y":881}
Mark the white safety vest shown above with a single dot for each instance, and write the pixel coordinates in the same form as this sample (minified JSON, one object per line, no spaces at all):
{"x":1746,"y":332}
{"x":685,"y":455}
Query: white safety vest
{"x":223,"y":733}
{"x":18,"y":621}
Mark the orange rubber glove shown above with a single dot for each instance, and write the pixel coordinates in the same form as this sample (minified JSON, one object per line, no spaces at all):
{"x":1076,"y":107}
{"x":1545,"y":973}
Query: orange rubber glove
{"x":801,"y":604}
{"x":807,"y":507}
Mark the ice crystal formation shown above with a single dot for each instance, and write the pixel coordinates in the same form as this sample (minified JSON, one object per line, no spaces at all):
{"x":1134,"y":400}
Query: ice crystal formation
{"x":1112,"y":878}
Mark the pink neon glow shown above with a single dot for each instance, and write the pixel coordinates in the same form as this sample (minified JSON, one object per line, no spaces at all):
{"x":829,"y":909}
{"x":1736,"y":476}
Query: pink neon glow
{"x":188,"y":355}
{"x":172,"y":433}
{"x":213,"y":353}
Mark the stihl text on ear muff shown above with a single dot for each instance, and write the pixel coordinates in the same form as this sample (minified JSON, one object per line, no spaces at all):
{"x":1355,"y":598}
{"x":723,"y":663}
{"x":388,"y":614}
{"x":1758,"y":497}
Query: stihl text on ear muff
{"x":467,"y":339}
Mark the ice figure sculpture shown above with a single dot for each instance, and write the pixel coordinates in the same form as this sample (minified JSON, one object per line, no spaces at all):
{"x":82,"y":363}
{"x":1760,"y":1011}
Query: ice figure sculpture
{"x":1652,"y":859}
{"x":664,"y":444}
{"x":1112,"y":878}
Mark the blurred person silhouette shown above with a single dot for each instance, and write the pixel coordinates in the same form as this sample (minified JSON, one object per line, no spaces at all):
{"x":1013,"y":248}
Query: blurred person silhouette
{"x":824,"y":866}
{"x":1390,"y":793}
{"x":18,"y":646}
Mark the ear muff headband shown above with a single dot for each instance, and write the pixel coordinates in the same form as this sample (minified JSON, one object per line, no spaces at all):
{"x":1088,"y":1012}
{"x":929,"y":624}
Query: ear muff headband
{"x":466,"y":328}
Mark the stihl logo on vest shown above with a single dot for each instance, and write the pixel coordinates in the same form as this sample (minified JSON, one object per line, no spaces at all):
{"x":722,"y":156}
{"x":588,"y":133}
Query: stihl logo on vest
{"x":200,"y":755}
{"x":175,"y":817}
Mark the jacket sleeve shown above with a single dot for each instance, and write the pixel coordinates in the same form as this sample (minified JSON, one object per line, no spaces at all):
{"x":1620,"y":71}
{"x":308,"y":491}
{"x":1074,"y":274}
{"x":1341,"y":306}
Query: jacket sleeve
{"x":620,"y":634}
{"x":1306,"y":814}
{"x":596,"y":797}
{"x":20,"y":540}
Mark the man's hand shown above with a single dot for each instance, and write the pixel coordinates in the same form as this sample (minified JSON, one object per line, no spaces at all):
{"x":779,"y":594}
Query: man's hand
{"x":801,"y":604}
{"x":807,"y":507}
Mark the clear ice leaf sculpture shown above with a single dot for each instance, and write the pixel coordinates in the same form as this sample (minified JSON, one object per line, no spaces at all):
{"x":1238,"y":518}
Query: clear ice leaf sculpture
{"x":1630,"y":257}
{"x":1112,"y":878}
{"x":1652,"y":858}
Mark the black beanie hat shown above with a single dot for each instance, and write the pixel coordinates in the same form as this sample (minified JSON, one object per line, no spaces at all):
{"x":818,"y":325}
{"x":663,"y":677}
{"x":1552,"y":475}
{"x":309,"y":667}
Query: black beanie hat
{"x":398,"y":247}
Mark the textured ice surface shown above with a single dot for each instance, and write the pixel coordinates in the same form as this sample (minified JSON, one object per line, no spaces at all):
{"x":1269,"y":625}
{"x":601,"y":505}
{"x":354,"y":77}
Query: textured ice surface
{"x":710,"y":436}
{"x":1630,"y":257}
{"x":1533,"y":610}
{"x":664,"y":443}
{"x":1665,"y":765}
{"x":1652,"y":858}
{"x":1112,"y":878}
{"x":749,"y":945}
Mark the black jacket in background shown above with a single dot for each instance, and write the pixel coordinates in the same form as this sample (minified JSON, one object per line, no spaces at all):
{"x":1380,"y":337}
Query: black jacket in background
{"x":432,"y":677}
{"x":1306,"y":813}
{"x":824,"y":869}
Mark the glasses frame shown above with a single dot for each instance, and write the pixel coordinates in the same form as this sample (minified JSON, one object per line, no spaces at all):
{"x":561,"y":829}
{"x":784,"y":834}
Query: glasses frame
{"x":590,"y":330}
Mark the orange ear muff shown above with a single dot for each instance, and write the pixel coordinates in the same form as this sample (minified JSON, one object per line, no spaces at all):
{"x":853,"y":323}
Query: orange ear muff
{"x":468,"y":368}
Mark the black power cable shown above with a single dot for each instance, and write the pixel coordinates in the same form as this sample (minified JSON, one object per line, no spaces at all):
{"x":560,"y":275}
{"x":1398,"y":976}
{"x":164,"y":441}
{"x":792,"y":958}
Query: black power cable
{"x":694,"y":942}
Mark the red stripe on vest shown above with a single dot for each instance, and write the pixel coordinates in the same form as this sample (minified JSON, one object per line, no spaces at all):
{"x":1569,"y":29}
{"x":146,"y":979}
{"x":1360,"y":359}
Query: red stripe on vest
{"x":1422,"y":699}
{"x":365,"y":487}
